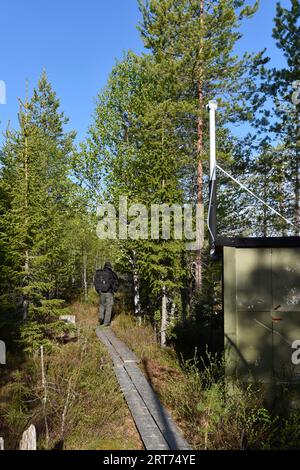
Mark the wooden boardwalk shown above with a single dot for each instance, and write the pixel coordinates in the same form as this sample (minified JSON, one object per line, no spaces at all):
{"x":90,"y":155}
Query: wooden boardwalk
{"x":157,"y":429}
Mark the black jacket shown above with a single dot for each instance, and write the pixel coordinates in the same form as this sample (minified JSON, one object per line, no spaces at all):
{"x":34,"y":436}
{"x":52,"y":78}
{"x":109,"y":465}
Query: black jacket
{"x":114,"y":281}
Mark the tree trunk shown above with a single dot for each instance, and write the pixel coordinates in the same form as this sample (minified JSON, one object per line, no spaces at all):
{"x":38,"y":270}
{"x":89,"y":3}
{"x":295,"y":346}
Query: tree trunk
{"x":97,"y":260}
{"x":297,"y":182}
{"x":173,"y":309}
{"x":164,"y":318}
{"x":85,"y":285}
{"x":198,"y":261}
{"x":73,"y":257}
{"x":265,"y":191}
{"x":297,"y":210}
{"x":45,"y":397}
{"x":136,"y":288}
{"x":25,"y":301}
{"x":281,"y":195}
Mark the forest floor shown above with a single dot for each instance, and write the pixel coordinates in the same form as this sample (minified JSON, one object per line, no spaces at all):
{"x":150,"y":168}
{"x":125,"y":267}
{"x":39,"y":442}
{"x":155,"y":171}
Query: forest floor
{"x":85,"y":408}
{"x":213,"y":413}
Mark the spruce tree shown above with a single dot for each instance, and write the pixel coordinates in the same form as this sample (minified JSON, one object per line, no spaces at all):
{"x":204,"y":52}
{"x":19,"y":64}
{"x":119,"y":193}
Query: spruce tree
{"x":132,"y":140}
{"x":278,"y":121}
{"x":35,"y":180}
{"x":193,"y":44}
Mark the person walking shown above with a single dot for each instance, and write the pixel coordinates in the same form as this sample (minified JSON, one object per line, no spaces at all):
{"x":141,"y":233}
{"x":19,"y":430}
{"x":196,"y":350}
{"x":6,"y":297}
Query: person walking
{"x":106,"y":283}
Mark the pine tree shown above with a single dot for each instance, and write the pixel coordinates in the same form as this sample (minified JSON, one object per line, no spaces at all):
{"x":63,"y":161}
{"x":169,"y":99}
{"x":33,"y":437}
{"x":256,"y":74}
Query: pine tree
{"x":193,"y":46}
{"x":278,"y":121}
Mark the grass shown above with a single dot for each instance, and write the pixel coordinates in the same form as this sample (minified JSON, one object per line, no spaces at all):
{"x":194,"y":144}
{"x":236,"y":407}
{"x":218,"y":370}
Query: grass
{"x":212,"y":412}
{"x":141,"y":339}
{"x":85,"y":408}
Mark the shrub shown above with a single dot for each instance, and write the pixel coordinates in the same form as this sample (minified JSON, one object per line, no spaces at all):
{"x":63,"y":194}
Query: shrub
{"x":214,"y":412}
{"x":84,"y":408}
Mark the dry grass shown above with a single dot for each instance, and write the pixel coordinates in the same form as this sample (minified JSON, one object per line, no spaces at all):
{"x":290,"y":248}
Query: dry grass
{"x":212,"y":413}
{"x":141,"y":340}
{"x":85,"y":407}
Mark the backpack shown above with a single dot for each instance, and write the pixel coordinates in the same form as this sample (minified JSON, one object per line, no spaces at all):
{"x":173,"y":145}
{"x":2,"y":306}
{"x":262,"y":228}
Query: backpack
{"x":114,"y":282}
{"x":102,"y":280}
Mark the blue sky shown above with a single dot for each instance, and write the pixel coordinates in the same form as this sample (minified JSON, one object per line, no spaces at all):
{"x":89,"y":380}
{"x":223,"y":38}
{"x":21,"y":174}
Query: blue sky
{"x":77,"y":42}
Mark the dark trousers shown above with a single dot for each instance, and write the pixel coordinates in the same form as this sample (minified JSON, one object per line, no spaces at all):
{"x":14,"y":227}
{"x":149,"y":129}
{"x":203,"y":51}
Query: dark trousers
{"x":105,"y":307}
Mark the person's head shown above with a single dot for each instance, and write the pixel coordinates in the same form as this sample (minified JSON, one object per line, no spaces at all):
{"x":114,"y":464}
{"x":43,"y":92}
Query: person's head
{"x":107,"y":265}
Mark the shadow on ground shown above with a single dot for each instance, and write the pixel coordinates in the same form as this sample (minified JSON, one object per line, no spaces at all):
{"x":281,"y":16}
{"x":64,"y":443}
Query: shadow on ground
{"x":197,"y":339}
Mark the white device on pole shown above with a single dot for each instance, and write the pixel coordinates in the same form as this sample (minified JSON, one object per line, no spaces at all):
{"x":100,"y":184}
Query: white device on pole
{"x":212,"y":107}
{"x":211,"y":219}
{"x":212,"y":209}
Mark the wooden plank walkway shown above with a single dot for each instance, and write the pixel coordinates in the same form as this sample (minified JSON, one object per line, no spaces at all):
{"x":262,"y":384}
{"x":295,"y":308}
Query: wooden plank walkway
{"x":156,"y":427}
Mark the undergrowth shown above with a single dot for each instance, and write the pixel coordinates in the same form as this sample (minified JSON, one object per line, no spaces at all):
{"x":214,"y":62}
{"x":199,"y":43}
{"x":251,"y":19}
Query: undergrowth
{"x":78,"y":405}
{"x":214,"y":413}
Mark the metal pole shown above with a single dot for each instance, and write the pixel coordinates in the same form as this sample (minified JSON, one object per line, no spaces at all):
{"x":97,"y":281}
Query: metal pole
{"x":212,"y":107}
{"x":212,"y":219}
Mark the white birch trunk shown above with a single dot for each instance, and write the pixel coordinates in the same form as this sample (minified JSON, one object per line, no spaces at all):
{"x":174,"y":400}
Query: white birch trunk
{"x":45,"y":397}
{"x":85,"y":286}
{"x":164,"y":318}
{"x":136,"y":287}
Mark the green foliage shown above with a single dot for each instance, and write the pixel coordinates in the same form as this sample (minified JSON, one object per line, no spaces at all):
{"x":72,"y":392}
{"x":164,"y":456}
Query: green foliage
{"x":131,"y":128}
{"x":78,"y":376}
{"x":48,"y":245}
{"x":288,"y":436}
{"x":144,"y":140}
{"x":43,"y":326}
{"x":214,"y":413}
{"x":278,"y":127}
{"x":227,"y":415}
{"x":147,"y":141}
